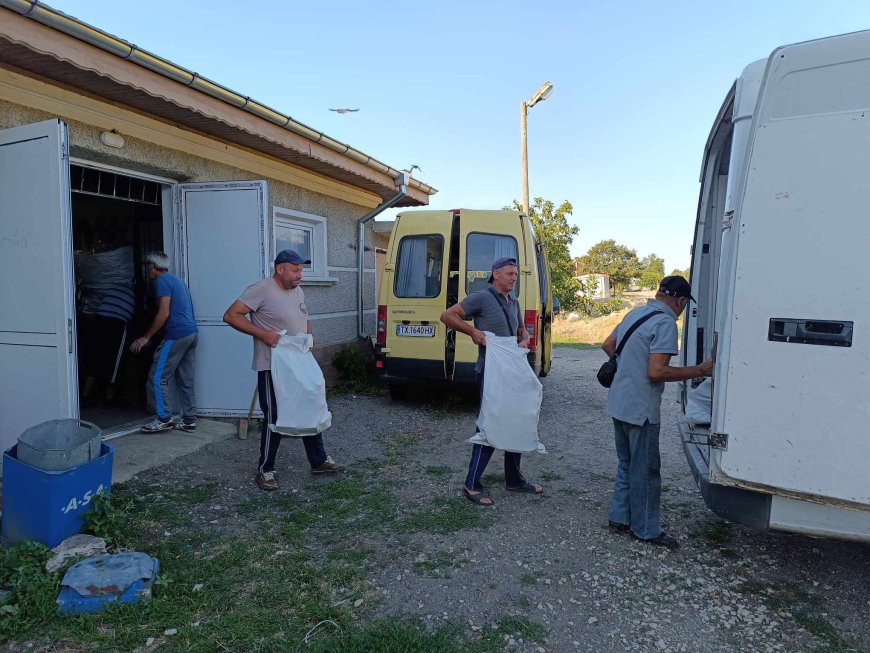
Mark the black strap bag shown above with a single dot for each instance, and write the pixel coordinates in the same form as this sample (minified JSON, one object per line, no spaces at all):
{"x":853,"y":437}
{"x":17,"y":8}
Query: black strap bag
{"x":608,"y":370}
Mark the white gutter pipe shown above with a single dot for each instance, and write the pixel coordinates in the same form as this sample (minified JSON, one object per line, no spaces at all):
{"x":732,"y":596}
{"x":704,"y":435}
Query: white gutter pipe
{"x":402,"y":181}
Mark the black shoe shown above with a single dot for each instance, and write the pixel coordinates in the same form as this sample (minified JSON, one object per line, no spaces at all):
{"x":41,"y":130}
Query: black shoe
{"x":616,"y":527}
{"x":663,"y":539}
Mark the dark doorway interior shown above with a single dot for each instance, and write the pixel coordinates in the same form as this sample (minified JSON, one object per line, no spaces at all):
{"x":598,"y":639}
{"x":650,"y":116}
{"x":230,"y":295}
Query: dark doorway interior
{"x":116,"y":220}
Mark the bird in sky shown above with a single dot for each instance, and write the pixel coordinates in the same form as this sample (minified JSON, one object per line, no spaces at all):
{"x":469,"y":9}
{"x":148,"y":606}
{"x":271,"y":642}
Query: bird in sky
{"x":413,"y":167}
{"x":342,"y":111}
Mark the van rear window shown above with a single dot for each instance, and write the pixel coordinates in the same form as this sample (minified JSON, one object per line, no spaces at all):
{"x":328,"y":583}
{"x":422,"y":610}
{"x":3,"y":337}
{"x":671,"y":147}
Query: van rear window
{"x":481,"y":251}
{"x":419,"y":265}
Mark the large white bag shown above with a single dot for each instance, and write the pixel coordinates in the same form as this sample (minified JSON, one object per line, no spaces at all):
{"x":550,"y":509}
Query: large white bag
{"x":699,"y":403}
{"x":511,"y":400}
{"x":300,"y":389}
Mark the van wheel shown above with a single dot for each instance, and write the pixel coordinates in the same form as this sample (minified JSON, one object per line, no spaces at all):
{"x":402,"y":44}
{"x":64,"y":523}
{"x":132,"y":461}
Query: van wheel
{"x":398,"y":392}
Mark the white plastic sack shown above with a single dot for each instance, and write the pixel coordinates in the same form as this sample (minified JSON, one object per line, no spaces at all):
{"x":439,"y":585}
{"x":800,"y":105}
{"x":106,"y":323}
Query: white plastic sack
{"x":699,"y":403}
{"x":511,"y":402}
{"x":300,"y":389}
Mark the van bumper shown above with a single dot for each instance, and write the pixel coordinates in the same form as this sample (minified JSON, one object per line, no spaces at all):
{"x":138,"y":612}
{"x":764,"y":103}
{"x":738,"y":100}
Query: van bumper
{"x":732,"y":503}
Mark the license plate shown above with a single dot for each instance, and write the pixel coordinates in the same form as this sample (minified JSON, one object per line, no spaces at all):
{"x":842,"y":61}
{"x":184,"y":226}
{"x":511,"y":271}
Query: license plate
{"x":416,"y":330}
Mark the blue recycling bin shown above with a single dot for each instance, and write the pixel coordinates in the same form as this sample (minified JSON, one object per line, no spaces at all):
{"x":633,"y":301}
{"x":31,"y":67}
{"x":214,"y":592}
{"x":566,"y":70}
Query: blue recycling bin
{"x":49,"y":507}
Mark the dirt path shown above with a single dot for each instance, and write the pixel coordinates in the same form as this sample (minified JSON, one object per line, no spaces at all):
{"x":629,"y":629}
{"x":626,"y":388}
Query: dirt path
{"x":545,"y":571}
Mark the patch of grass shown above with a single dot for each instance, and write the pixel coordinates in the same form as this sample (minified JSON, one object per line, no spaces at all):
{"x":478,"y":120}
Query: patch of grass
{"x":440,"y":471}
{"x":825,"y":631}
{"x":573,"y":491}
{"x":490,"y":640}
{"x":731,"y":554}
{"x":392,"y":636}
{"x":444,"y":515}
{"x":717,"y":532}
{"x":436,"y":566}
{"x":550,"y":476}
{"x":396,"y":444}
{"x":576,"y":345}
{"x":610,"y":478}
{"x":528,"y":579}
{"x":493,"y":479}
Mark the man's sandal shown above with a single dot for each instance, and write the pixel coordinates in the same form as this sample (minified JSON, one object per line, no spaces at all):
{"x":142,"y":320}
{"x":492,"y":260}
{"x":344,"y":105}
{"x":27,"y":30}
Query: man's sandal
{"x":527,"y":487}
{"x":477,"y":498}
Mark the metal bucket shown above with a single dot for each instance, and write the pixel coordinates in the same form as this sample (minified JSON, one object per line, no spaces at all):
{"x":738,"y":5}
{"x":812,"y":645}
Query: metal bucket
{"x":59,"y":445}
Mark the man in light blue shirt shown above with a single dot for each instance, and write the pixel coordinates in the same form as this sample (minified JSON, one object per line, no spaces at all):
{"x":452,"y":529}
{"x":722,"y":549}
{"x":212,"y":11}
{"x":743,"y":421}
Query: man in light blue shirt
{"x":634,"y":403}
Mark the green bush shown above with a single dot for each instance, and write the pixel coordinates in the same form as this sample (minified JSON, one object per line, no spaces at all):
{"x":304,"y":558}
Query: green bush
{"x":29,"y":591}
{"x":104,"y":519}
{"x":352,"y":366}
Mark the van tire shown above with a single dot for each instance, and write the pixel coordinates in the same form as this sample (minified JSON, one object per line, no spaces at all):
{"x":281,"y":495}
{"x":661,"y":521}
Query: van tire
{"x":398,"y":391}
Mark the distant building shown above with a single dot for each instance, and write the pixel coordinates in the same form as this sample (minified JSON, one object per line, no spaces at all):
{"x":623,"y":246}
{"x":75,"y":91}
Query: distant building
{"x":596,"y":286}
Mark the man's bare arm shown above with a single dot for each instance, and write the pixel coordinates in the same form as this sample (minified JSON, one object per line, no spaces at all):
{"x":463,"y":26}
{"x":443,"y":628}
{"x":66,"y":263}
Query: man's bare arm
{"x":236,"y":317}
{"x":453,"y":318}
{"x":659,"y":369}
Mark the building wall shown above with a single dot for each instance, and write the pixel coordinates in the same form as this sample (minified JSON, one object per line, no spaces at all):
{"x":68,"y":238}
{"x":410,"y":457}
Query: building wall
{"x":329,"y":304}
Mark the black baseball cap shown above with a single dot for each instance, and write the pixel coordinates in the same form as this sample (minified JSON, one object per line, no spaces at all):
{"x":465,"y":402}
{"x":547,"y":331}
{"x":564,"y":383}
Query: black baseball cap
{"x":290,"y":256}
{"x":500,"y":263}
{"x":676,"y":286}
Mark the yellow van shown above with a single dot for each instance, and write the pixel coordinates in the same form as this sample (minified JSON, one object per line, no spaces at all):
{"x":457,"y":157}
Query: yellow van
{"x":435,"y":259}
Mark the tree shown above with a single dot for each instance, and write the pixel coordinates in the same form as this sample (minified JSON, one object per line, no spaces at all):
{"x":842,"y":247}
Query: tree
{"x":618,"y":261}
{"x":551,"y":228}
{"x":652,"y":271}
{"x":682,"y":273}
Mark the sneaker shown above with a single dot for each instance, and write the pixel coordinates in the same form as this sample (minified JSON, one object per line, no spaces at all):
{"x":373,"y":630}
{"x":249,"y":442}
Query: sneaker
{"x":157,"y":426}
{"x":616,"y":527}
{"x":663,"y":539}
{"x":187,"y":427}
{"x":267,"y":481}
{"x":329,"y":466}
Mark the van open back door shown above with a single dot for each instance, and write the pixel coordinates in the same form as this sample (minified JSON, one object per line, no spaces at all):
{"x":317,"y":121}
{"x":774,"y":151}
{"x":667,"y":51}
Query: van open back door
{"x":416,"y":279}
{"x":795,"y":415}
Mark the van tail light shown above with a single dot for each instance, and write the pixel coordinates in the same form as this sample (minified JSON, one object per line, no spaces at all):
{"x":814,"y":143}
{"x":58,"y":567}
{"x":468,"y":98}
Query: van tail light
{"x":531,"y":324}
{"x":382,"y":325}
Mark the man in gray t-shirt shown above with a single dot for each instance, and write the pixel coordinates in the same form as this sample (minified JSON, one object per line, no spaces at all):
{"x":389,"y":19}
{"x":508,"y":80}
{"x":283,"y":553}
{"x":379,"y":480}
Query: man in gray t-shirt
{"x":496,"y":310}
{"x":276,"y":304}
{"x":634,"y":404}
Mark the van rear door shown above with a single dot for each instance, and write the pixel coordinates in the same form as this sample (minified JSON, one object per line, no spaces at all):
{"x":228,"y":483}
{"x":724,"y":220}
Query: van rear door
{"x":416,"y":285}
{"x":796,"y":412}
{"x":545,"y":283}
{"x":484,"y":236}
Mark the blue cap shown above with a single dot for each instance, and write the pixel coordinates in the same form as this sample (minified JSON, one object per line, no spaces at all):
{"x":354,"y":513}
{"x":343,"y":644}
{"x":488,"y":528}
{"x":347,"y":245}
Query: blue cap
{"x":290,"y":256}
{"x":500,"y":263}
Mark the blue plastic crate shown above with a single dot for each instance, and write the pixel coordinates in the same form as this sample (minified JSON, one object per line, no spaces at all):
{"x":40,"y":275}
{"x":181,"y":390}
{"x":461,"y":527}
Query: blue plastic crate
{"x":48,"y":507}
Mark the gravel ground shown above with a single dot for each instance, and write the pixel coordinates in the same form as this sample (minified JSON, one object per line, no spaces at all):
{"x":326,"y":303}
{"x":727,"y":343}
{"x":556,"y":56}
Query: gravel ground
{"x":551,"y":559}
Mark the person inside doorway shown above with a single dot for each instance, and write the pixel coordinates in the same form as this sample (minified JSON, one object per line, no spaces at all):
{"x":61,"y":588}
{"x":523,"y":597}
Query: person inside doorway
{"x":175,"y":355}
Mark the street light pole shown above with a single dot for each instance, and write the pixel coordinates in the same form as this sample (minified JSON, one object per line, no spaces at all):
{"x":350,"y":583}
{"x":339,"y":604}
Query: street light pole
{"x":540,"y":95}
{"x":524,"y":110}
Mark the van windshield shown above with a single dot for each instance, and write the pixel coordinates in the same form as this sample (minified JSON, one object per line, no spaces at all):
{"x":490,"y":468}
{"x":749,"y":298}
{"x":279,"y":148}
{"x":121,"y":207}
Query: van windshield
{"x":418,"y":268}
{"x":481,"y":251}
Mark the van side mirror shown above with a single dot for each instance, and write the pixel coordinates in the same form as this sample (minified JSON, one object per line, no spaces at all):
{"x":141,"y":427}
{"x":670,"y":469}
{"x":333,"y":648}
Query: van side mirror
{"x":557,"y":306}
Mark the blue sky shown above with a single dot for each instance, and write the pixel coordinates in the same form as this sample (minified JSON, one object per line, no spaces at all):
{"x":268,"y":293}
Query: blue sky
{"x":637,"y":86}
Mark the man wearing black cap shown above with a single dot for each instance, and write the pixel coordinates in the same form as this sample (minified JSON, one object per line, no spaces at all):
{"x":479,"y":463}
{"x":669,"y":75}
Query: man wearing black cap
{"x":494,"y":309}
{"x":275,"y":304}
{"x":634,"y":403}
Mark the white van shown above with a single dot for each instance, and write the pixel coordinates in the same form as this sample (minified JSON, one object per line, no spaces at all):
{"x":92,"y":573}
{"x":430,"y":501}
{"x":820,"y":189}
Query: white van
{"x":779,"y":271}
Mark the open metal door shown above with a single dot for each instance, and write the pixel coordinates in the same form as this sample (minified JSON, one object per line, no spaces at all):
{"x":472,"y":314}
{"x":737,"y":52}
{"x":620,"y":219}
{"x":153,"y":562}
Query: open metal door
{"x":222,"y":249}
{"x":37,"y":324}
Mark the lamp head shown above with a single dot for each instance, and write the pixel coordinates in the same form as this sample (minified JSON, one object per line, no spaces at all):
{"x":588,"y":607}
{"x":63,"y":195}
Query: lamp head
{"x":541,"y":94}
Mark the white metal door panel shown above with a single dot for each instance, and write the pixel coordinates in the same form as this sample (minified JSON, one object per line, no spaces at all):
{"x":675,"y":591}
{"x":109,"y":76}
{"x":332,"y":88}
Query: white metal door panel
{"x":37,"y":322}
{"x":222,"y":230}
{"x":797,"y":414}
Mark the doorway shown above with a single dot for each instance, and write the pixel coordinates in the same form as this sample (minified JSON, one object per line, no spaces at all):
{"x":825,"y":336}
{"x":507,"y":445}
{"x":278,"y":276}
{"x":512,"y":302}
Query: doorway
{"x":117,"y":219}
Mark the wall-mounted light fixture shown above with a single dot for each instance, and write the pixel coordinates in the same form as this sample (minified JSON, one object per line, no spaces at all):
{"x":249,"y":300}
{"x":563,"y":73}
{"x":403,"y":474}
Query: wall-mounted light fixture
{"x":112,"y":139}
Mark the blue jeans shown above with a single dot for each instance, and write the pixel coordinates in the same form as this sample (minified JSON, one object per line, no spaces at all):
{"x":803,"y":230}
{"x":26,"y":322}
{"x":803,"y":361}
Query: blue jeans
{"x":638,"y":487}
{"x":269,"y":442}
{"x":480,"y":455}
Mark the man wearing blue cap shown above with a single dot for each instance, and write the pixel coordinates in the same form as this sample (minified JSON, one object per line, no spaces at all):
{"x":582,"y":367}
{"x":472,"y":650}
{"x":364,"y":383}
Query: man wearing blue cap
{"x":274,"y":304}
{"x":494,"y":309}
